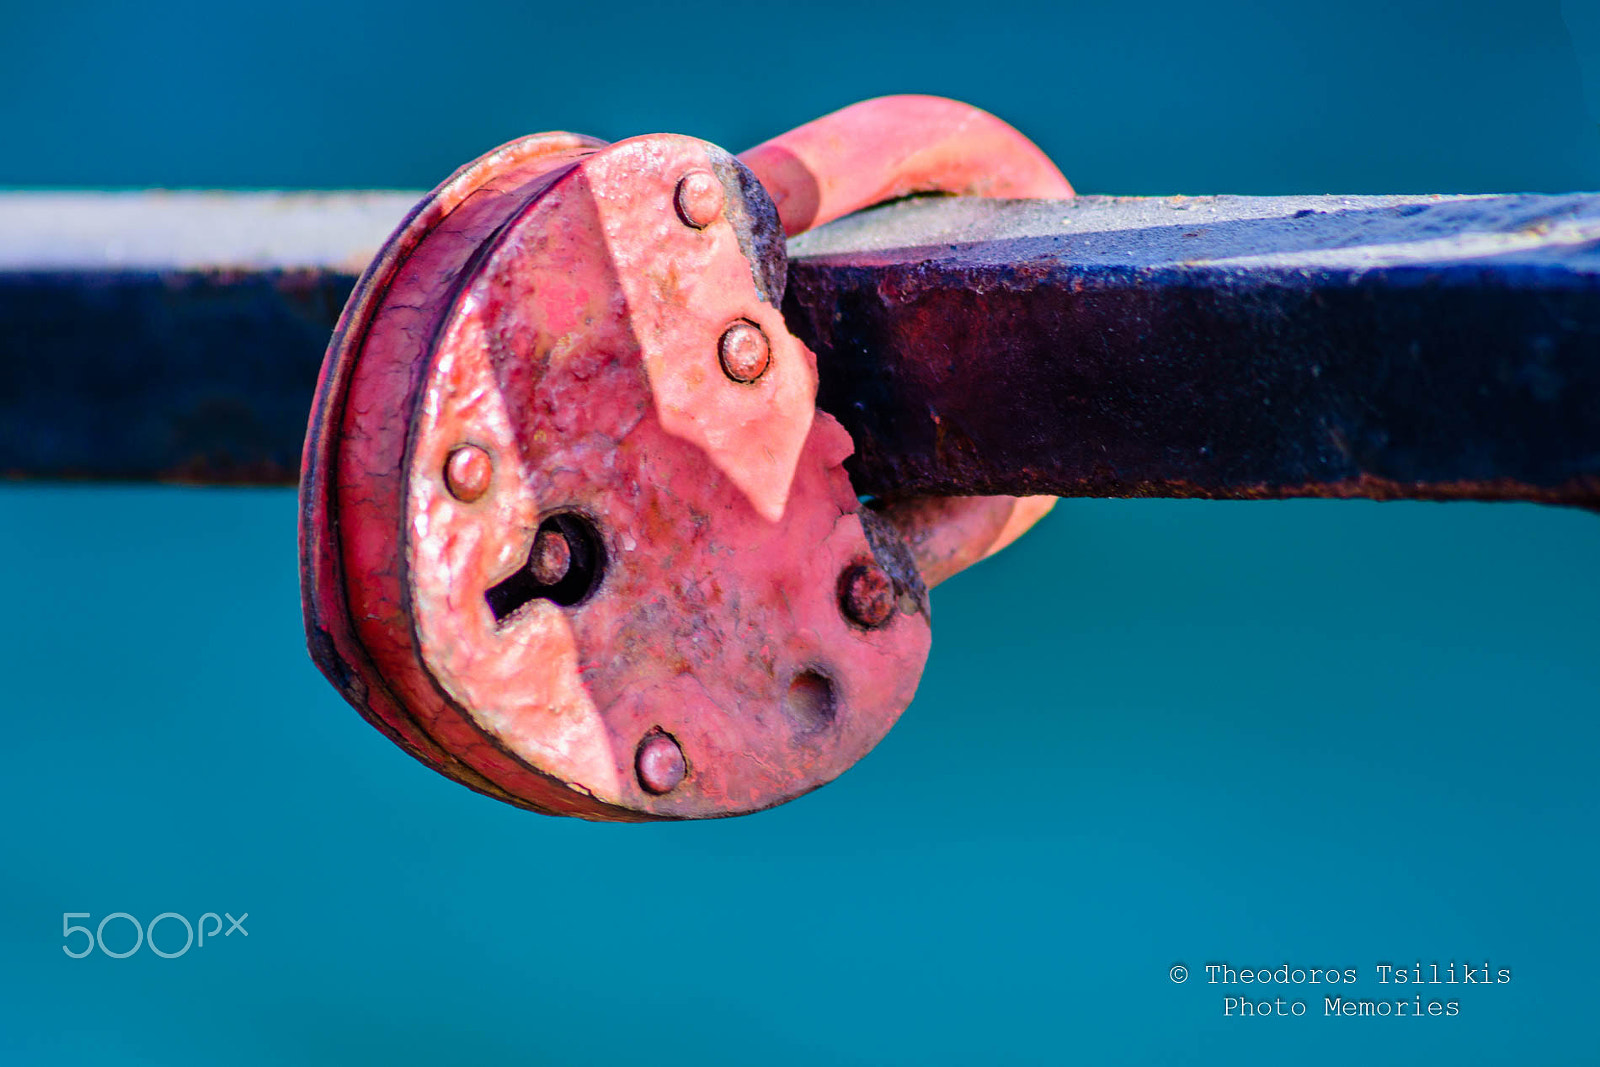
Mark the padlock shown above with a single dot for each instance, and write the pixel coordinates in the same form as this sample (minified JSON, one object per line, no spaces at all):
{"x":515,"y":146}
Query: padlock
{"x":573,"y":531}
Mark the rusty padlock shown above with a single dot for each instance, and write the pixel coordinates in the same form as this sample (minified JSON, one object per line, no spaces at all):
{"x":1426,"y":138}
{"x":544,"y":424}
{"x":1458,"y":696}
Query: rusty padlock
{"x":573,"y":531}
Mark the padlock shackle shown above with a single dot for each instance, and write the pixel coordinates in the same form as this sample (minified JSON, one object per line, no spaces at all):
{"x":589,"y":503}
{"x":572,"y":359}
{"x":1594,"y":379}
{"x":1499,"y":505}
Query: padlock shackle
{"x":895,"y":146}
{"x":885,"y":149}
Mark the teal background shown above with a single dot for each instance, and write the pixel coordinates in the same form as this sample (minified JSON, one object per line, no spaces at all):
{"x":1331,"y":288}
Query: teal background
{"x":1328,"y":733}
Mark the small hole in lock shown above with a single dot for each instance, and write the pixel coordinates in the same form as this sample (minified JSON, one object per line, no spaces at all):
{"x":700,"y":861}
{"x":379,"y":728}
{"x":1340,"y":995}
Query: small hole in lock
{"x":811,"y":703}
{"x":564,"y":566}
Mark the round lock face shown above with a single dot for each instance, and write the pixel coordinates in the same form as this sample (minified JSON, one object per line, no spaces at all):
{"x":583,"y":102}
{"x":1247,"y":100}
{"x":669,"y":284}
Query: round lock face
{"x":574,"y":531}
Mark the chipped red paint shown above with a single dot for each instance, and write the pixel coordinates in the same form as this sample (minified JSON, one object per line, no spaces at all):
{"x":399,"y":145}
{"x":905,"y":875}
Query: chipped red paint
{"x":550,"y":308}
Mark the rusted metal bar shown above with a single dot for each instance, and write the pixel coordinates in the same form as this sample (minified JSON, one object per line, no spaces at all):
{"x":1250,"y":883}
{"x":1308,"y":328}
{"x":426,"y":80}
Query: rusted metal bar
{"x":172,"y":336}
{"x":1212,"y":346}
{"x":1388,"y":347}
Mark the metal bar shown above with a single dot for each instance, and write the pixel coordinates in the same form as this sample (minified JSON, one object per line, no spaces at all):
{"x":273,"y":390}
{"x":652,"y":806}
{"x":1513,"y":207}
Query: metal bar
{"x":1216,"y":346}
{"x":172,"y":336}
{"x":1423,"y":347}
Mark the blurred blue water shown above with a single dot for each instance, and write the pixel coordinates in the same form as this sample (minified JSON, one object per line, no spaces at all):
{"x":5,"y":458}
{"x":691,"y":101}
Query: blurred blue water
{"x":1241,"y":96}
{"x":1328,"y":733}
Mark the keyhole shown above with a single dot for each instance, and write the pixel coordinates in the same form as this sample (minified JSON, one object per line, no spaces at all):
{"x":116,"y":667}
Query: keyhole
{"x":564,"y":566}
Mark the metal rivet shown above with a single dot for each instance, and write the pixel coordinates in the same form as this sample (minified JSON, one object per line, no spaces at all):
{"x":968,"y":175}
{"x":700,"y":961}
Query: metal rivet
{"x":866,"y":595}
{"x":699,"y":198}
{"x":467,"y":473}
{"x":551,"y":556}
{"x":744,"y":351}
{"x":659,"y":764}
